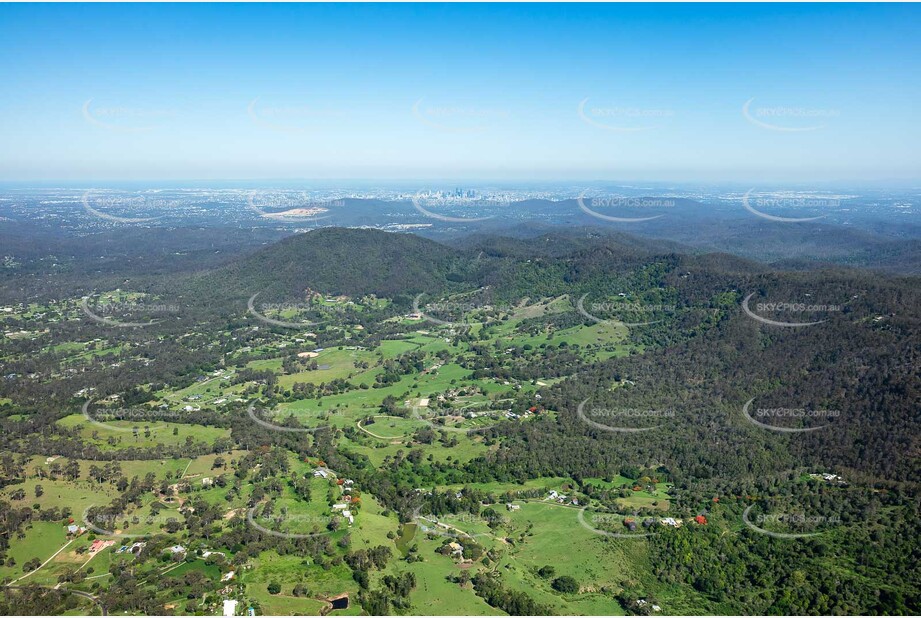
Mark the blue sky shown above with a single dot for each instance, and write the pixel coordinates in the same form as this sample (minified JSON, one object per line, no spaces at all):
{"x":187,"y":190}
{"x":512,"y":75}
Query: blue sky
{"x":504,"y":92}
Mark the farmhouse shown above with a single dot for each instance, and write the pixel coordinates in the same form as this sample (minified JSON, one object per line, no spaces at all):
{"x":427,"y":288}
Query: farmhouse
{"x":98,"y":546}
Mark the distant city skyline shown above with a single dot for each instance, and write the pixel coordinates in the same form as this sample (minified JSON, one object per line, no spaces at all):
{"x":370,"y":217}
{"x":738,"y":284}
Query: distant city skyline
{"x":530,"y":93}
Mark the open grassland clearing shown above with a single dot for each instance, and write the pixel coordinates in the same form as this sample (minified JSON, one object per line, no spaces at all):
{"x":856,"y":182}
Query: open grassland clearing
{"x":75,"y":495}
{"x":119,"y":434}
{"x":377,"y":450}
{"x":42,"y":540}
{"x":290,"y":570}
{"x":434,"y":593}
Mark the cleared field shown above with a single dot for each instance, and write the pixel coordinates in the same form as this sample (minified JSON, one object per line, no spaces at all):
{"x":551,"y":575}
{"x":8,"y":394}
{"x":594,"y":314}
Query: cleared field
{"x":555,"y":537}
{"x":285,"y":604}
{"x":434,"y":594}
{"x":118,"y":434}
{"x":391,"y":427}
{"x":76,"y":496}
{"x":291,"y":570}
{"x":336,"y":365}
{"x":42,"y":540}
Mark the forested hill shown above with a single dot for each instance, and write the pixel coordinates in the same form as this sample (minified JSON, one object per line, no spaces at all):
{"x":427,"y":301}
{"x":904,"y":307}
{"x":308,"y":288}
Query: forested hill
{"x":362,"y":261}
{"x":344,"y":261}
{"x":704,"y":355}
